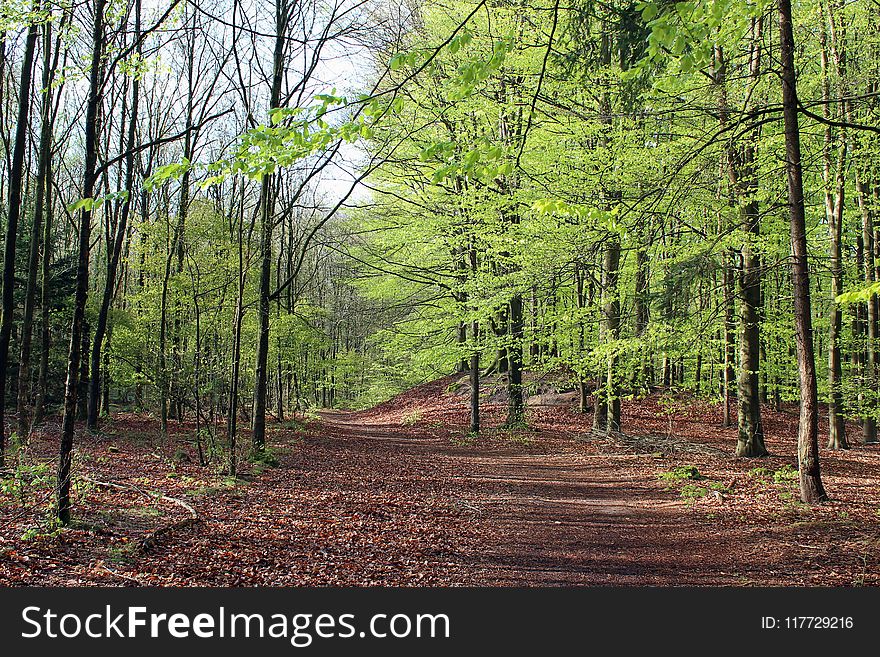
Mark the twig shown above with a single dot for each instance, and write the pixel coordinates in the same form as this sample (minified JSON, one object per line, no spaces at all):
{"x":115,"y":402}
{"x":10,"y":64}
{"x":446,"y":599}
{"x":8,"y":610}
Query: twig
{"x":153,"y":537}
{"x":120,"y":575}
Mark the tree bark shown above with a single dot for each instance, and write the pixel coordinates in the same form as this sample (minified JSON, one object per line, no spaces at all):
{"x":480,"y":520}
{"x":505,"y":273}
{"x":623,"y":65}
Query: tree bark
{"x":833,"y":179}
{"x":82,"y":274}
{"x":474,"y":427}
{"x":869,"y":366}
{"x":16,"y":178}
{"x":267,"y":199}
{"x":606,"y":417}
{"x":810,"y":479}
{"x":117,"y":239}
{"x":643,"y":291}
{"x":516,"y":403}
{"x":45,"y":147}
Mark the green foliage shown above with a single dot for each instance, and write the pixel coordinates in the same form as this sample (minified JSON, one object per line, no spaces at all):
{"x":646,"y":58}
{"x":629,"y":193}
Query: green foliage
{"x":693,"y":492}
{"x":785,"y":475}
{"x":412,"y":418}
{"x":688,"y":31}
{"x":264,"y":458}
{"x":30,"y":481}
{"x":682,"y":472}
{"x":510,"y":162}
{"x":760,"y":472}
{"x":91,"y":204}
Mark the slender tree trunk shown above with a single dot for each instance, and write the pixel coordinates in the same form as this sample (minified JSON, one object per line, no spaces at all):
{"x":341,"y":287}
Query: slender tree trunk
{"x":728,"y":287}
{"x":27,"y":326}
{"x":16,"y":178}
{"x":45,"y":331}
{"x":261,"y":387}
{"x":729,"y":342}
{"x":606,"y":417}
{"x":117,"y":239}
{"x":516,"y":404}
{"x":83,"y":386}
{"x":475,"y":381}
{"x":461,"y":341}
{"x":581,"y":297}
{"x":740,"y":167}
{"x":47,"y":238}
{"x":232,"y":413}
{"x":869,"y":366}
{"x":810,"y":480}
{"x":612,"y":319}
{"x":643,"y":291}
{"x":750,"y":440}
{"x":833,"y":178}
{"x":82,"y":274}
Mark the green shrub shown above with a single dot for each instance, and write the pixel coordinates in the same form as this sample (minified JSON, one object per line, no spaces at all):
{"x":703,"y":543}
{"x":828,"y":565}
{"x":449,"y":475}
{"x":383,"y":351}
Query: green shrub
{"x":682,"y":472}
{"x":693,"y":492}
{"x":411,"y":419}
{"x":785,"y":474}
{"x":265,"y":457}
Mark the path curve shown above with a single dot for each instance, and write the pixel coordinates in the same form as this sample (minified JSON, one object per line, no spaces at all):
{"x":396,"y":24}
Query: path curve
{"x":560,"y":518}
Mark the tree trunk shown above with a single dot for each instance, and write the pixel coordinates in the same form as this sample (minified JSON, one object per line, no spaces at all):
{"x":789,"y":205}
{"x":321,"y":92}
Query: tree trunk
{"x":475,"y":382}
{"x":516,"y":403}
{"x":232,"y":412}
{"x":117,"y":239}
{"x":612,"y":316}
{"x":16,"y":178}
{"x":740,"y":167}
{"x":606,"y":417}
{"x":869,"y":366}
{"x":82,"y":274}
{"x":810,"y":479}
{"x":833,"y":179}
{"x":729,"y":342}
{"x":27,"y":326}
{"x":750,"y":440}
{"x":261,"y":387}
{"x":643,"y":291}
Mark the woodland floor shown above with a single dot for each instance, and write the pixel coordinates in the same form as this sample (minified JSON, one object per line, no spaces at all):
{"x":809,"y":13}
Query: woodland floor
{"x":399,"y":496}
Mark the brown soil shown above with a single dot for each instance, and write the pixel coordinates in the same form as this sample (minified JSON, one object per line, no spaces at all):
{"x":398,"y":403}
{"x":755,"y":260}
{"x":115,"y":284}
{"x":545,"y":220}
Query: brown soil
{"x":400,"y":496}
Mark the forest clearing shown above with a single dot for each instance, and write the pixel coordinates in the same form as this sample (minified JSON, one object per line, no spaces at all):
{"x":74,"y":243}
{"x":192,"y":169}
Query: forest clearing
{"x":440,"y":293}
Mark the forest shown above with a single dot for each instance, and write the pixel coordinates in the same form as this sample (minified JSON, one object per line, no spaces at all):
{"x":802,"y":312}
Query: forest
{"x":440,"y":292}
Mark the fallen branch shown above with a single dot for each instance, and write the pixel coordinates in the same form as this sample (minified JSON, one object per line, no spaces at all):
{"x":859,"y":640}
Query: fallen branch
{"x":101,"y":566}
{"x":154,"y":536}
{"x":666,"y":444}
{"x":806,"y":547}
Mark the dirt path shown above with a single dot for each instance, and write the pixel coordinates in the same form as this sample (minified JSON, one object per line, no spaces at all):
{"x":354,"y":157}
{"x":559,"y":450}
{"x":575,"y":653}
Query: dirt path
{"x":560,"y":518}
{"x":397,"y":497}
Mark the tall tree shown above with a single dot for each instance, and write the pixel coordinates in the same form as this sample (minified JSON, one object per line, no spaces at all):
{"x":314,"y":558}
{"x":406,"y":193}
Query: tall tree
{"x":36,"y":236}
{"x":16,"y":179}
{"x":267,"y":224}
{"x":810,"y":479}
{"x":833,"y":175}
{"x":71,"y":386}
{"x":117,"y":235}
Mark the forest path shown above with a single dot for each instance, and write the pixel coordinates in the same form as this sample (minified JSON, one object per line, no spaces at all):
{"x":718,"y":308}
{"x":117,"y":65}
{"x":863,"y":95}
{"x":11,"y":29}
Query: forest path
{"x":548,"y":517}
{"x":397,"y":496}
